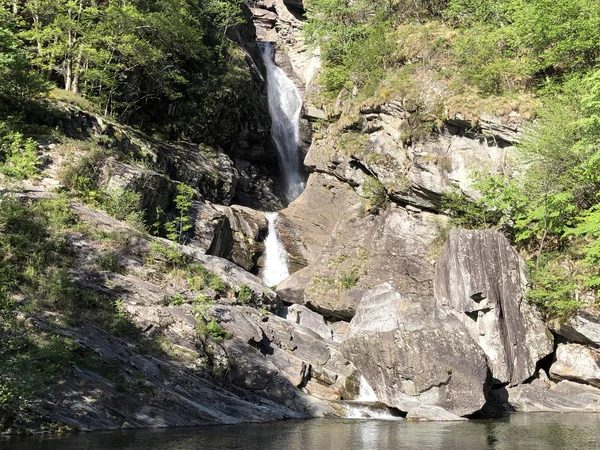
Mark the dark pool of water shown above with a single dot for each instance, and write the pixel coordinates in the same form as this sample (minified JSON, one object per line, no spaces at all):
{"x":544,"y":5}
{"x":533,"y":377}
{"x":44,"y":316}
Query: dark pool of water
{"x":539,"y":431}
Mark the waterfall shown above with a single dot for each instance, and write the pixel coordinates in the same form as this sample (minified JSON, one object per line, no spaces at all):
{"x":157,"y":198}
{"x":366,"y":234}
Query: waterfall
{"x":367,"y":406}
{"x":285,"y":105}
{"x":275,"y":269}
{"x":365,"y":391}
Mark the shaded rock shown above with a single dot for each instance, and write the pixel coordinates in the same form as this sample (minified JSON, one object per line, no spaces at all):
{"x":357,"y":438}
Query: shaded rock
{"x":212,"y":231}
{"x":285,"y":350}
{"x":155,"y":189}
{"x":482,"y":280}
{"x":210,"y":172}
{"x":565,"y":396}
{"x":583,"y":327}
{"x":411,"y":358}
{"x":577,"y":363}
{"x":230,"y":232}
{"x":248,"y":227}
{"x":255,"y":189}
{"x":433,"y":414}
{"x":506,"y":132}
{"x":167,"y":393}
{"x":302,"y":315}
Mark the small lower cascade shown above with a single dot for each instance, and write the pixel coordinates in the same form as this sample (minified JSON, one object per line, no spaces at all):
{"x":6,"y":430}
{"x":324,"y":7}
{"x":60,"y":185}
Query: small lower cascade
{"x":367,"y":406}
{"x":374,"y":411}
{"x":366,"y":392}
{"x":276,"y":268}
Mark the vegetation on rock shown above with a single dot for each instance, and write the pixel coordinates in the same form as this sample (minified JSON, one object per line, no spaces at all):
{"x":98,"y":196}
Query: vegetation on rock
{"x":491,"y":53}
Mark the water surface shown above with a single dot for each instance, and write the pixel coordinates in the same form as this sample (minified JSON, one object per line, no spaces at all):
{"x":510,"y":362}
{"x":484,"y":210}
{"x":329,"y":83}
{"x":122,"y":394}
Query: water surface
{"x":546,"y":431}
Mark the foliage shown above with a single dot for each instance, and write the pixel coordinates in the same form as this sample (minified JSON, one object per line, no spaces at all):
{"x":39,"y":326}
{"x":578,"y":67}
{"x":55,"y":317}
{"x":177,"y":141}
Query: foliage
{"x":505,"y":43}
{"x":167,"y":255}
{"x":176,"y":300}
{"x":83,"y":180}
{"x":17,"y":81}
{"x":178,"y":227}
{"x":18,"y":155}
{"x":201,"y":278}
{"x":374,"y":194}
{"x":554,"y":291}
{"x":349,"y":278}
{"x":212,"y":328}
{"x":244,"y":295}
{"x":109,"y":260}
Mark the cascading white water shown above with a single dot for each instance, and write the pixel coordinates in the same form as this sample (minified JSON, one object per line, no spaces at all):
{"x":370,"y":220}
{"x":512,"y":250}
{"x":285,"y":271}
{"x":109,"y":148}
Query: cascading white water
{"x":285,"y":105}
{"x":367,"y":406}
{"x":275,"y":269}
{"x":366,"y":392}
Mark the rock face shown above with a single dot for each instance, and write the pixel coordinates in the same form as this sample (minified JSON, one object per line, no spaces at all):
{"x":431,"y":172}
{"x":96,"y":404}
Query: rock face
{"x":432,"y":413}
{"x":360,"y":252}
{"x":301,"y":315}
{"x":481,"y":279}
{"x":279,"y":352}
{"x":413,"y":171}
{"x":583,"y":328}
{"x":565,"y":396}
{"x":577,"y":363}
{"x":412,"y":358}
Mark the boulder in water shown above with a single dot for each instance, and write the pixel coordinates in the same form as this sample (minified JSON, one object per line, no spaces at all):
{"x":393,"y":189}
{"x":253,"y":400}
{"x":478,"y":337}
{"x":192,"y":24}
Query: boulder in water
{"x":412,"y":358}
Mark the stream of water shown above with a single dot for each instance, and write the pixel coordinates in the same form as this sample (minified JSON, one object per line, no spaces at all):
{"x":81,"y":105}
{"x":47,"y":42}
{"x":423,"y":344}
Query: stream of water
{"x":285,"y":106}
{"x":276,"y":268}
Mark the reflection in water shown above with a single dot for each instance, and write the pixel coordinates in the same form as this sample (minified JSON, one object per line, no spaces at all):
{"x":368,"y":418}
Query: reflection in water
{"x":520,"y":431}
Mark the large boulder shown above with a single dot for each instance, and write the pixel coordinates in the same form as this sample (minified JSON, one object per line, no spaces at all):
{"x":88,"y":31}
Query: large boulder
{"x":482,"y":280}
{"x":302,"y":315}
{"x":248,"y":228}
{"x":412,"y":358}
{"x":211,"y":230}
{"x":576,"y":363}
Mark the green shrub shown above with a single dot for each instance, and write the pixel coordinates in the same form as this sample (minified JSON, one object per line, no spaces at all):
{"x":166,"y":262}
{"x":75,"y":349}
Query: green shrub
{"x":124,"y":204}
{"x":178,"y":227}
{"x":554,"y":291}
{"x":109,"y":260}
{"x":19,"y":155}
{"x":375,"y":195}
{"x":244,"y":296}
{"x":349,"y":278}
{"x":167,"y":255}
{"x":213,"y":329}
{"x":177,"y":300}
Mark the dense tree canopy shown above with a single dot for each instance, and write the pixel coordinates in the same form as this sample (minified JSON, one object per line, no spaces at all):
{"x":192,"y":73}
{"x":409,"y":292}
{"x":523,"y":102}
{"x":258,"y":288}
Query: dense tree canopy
{"x":142,"y":61}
